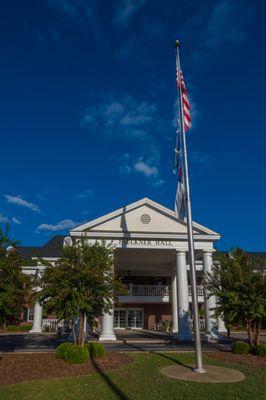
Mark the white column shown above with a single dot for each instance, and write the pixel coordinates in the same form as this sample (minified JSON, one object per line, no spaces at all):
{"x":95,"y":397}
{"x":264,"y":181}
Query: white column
{"x":174,"y":302}
{"x":211,"y":328}
{"x":107,"y":332}
{"x":37,"y":319}
{"x":221,"y":326}
{"x":182,"y":296}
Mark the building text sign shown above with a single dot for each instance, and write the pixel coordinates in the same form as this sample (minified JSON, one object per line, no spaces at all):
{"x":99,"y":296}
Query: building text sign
{"x":144,"y":242}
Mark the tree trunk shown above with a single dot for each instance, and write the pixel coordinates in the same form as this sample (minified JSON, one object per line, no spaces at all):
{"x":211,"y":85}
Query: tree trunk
{"x":228,"y":333}
{"x":248,"y":327}
{"x":73,"y":331}
{"x":257,"y":334}
{"x":81,"y":336}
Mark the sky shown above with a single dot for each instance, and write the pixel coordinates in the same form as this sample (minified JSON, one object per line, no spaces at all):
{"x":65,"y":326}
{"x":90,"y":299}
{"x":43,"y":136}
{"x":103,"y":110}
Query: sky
{"x":88,"y":112}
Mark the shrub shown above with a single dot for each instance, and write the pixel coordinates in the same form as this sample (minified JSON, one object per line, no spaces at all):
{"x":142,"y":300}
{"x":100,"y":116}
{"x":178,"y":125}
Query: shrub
{"x":12,"y":328}
{"x":260,"y":350}
{"x":166,"y":325}
{"x":62,"y":348}
{"x":96,"y":350}
{"x":26,"y":327}
{"x":240,"y":347}
{"x":76,"y":355}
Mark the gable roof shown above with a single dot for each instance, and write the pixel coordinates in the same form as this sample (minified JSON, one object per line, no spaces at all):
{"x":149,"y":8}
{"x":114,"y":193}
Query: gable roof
{"x":52,"y":248}
{"x":119,"y":220}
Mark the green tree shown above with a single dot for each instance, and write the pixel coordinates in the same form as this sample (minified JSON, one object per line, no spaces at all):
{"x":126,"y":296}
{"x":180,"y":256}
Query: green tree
{"x":14,"y":285}
{"x":80,"y":282}
{"x":241,"y":291}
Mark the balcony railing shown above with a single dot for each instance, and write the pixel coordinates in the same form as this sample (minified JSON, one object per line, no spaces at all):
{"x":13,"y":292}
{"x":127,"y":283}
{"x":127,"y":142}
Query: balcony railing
{"x":153,"y":290}
{"x":146,"y":290}
{"x":199,"y":290}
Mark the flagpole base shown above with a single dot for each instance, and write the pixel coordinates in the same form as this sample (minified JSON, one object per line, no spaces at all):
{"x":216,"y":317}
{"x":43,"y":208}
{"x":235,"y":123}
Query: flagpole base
{"x":199,"y":370}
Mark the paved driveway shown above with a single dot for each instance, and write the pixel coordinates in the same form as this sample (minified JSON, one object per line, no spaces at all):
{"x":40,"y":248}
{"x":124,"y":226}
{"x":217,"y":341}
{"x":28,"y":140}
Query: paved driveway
{"x":126,"y":341}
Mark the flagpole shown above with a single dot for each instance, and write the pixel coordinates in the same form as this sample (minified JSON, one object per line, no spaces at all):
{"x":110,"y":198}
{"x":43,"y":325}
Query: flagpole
{"x":199,"y":368}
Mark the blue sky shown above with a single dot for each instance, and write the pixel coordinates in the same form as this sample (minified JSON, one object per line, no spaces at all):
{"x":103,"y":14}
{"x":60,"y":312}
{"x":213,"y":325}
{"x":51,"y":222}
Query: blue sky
{"x":88,"y":104}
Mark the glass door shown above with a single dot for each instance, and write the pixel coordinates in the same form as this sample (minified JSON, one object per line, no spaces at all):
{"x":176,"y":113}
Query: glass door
{"x":135,"y":319}
{"x":120,"y":319}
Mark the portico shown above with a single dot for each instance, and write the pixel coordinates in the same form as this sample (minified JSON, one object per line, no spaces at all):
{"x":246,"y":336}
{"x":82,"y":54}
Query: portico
{"x":150,"y":256}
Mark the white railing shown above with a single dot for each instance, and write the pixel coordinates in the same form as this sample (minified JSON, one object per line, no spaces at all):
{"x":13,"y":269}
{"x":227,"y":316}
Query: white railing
{"x":153,"y":290}
{"x":199,"y":290}
{"x":52,"y":325}
{"x":160,"y":325}
{"x":146,"y":290}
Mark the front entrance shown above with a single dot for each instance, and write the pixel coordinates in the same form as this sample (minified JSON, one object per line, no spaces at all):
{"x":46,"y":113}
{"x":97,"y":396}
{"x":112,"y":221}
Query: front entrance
{"x":128,"y":318}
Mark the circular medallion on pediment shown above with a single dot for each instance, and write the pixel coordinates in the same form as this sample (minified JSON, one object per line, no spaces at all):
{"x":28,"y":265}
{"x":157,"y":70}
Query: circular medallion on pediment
{"x":145,"y":218}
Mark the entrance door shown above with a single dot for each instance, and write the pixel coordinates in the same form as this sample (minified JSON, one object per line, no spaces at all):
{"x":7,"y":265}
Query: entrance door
{"x":120,"y":319}
{"x":135,"y":319}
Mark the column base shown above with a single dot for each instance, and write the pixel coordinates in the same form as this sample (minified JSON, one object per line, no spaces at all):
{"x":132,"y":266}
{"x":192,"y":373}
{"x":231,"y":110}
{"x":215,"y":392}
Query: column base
{"x":174,"y":330}
{"x":212,"y":336}
{"x":107,"y":337}
{"x":36,"y":330}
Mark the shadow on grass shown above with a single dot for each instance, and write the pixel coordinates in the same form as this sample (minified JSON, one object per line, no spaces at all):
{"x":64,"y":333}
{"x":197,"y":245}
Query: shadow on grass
{"x":132,"y":345}
{"x":172,"y":359}
{"x":121,"y":395}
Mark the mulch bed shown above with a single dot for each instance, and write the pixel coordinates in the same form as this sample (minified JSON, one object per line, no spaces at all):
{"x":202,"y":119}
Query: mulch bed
{"x":15,"y":368}
{"x":247,"y":359}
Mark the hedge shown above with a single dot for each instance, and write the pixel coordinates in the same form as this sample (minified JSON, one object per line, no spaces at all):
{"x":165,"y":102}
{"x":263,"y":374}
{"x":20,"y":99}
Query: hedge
{"x":260,"y":350}
{"x":76,"y":355}
{"x":62,"y":348}
{"x":240,"y":347}
{"x":72,"y":354}
{"x":96,"y":350}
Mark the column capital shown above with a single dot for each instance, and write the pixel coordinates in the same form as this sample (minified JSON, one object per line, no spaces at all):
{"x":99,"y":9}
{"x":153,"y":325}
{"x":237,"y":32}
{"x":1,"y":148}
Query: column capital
{"x":181,"y":252}
{"x":208,"y":252}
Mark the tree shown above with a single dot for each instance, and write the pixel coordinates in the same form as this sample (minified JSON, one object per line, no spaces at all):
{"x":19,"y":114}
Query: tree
{"x":241,"y":291}
{"x":80,"y":283}
{"x":14,"y":285}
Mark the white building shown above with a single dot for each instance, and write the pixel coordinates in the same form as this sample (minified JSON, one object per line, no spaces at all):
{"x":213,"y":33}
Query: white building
{"x":151,"y":252}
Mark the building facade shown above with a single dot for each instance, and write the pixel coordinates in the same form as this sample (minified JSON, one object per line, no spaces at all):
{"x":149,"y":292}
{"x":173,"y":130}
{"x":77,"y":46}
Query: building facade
{"x":151,"y":257}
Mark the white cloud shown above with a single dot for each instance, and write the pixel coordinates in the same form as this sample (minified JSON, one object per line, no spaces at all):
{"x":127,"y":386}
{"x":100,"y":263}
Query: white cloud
{"x":151,"y":172}
{"x":3,"y":219}
{"x":19,"y":201}
{"x":125,"y":117}
{"x":80,"y":11}
{"x":217,"y":28}
{"x":139,"y":124}
{"x":60,"y":226}
{"x":16,"y":221}
{"x":85,"y":194}
{"x":125,"y":10}
{"x":145,"y":169}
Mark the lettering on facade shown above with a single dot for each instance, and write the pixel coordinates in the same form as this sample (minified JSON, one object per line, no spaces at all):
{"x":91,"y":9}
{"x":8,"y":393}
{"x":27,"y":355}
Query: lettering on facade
{"x":145,"y":242}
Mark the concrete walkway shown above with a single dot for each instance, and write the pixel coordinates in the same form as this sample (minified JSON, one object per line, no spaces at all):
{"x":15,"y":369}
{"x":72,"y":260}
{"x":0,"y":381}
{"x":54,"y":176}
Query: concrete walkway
{"x":127,"y":341}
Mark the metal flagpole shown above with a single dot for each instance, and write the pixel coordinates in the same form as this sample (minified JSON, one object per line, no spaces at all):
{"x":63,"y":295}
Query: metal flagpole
{"x":199,"y":368}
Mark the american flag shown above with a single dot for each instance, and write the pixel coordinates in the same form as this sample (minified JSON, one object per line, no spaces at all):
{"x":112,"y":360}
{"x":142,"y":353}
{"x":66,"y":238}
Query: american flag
{"x":185,"y":106}
{"x":180,"y":208}
{"x":180,"y":203}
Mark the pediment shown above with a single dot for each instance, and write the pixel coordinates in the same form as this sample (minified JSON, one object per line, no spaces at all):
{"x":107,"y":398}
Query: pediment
{"x":142,"y":216}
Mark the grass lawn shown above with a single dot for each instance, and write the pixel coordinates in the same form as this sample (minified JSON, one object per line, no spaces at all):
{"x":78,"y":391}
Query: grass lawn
{"x":142,"y":380}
